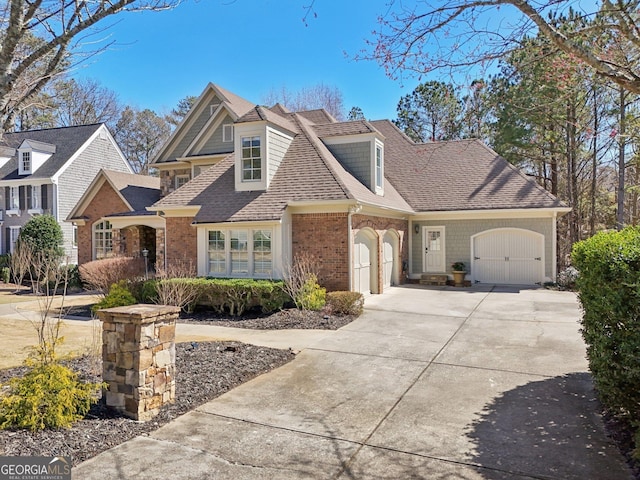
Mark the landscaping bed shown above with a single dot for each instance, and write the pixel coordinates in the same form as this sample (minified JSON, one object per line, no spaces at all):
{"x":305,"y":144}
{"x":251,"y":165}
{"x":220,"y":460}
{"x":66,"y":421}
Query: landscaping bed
{"x":289,"y":318}
{"x":204,"y":371}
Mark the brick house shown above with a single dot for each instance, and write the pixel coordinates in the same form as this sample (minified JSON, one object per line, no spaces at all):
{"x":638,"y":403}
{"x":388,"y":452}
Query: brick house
{"x":48,"y":171}
{"x":245,"y":189}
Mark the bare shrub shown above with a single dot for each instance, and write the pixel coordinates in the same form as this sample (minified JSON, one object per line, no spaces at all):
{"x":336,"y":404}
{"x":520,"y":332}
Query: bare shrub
{"x":20,"y":262}
{"x":300,"y":281}
{"x":178,"y":293}
{"x":101,"y":274}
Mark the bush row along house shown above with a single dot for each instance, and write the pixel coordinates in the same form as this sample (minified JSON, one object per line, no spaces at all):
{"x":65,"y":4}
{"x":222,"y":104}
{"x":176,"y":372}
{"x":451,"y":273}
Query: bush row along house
{"x":243,"y":189}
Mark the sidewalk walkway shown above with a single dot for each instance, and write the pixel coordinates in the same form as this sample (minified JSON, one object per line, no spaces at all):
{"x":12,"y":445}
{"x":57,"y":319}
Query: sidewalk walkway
{"x":437,"y":383}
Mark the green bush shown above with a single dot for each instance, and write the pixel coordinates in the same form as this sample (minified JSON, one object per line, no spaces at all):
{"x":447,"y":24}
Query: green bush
{"x":311,"y":296}
{"x":6,"y":274}
{"x":609,"y":291}
{"x":5,"y":260}
{"x":119,"y":296}
{"x":47,"y":396}
{"x":345,"y":303}
{"x":44,"y":234}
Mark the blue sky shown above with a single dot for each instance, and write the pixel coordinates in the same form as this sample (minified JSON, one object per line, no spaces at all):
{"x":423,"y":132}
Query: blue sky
{"x":249,"y":47}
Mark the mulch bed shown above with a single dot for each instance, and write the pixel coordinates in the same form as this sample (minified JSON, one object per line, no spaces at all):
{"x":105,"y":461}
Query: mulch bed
{"x":228,"y":364}
{"x":204,"y":371}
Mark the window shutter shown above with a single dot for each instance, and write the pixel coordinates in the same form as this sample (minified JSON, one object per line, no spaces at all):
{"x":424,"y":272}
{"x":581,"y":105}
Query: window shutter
{"x":22,"y":196}
{"x":7,"y":240}
{"x":7,"y":193}
{"x":29,"y":194}
{"x":43,"y":197}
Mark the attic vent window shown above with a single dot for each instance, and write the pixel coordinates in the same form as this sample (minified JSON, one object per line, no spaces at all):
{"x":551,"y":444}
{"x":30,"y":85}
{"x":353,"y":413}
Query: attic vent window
{"x":26,"y":162}
{"x":213,"y":107}
{"x":227,"y":132}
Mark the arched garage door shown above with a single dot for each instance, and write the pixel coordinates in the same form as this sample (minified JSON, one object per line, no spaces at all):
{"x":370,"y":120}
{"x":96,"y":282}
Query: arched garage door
{"x":508,"y":256}
{"x":364,"y":261}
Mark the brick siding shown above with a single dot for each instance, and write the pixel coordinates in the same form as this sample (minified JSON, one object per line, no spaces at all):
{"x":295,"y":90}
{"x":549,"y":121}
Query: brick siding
{"x":106,"y":202}
{"x":181,"y":241}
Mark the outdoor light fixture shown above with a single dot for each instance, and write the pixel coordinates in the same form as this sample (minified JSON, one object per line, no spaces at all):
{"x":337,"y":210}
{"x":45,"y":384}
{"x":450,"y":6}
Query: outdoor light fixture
{"x":416,"y":227}
{"x":145,"y":254}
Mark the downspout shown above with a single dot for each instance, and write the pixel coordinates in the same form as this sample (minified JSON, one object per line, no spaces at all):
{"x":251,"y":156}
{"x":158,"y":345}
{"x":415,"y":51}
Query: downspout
{"x":352,"y":210}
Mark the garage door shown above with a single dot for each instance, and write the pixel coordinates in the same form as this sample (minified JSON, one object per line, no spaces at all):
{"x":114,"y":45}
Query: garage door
{"x":508,"y":256}
{"x":388,"y":259}
{"x":362,"y":263}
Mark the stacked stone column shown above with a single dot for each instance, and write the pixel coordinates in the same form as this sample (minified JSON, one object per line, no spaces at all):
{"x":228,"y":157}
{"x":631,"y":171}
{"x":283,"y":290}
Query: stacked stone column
{"x":139,"y":358}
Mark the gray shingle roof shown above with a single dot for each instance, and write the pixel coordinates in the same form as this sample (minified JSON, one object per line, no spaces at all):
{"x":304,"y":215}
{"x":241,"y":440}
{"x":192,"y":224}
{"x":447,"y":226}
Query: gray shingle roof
{"x":139,"y":191}
{"x":457,"y":175}
{"x":67,"y":141}
{"x":344,"y":128}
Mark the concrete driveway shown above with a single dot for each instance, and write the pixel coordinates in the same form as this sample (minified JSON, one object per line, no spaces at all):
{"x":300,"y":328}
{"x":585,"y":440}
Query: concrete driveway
{"x":436,"y":383}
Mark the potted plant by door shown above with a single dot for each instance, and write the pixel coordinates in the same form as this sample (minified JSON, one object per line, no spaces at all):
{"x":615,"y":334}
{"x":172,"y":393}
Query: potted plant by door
{"x":459,"y":271}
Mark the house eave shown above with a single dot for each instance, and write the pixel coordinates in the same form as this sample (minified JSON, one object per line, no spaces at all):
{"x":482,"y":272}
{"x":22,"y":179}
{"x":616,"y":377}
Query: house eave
{"x":549,"y":212}
{"x":175,"y":210}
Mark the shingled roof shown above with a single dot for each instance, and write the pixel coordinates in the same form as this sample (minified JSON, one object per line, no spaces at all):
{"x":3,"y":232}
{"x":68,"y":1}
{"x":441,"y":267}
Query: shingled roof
{"x":67,"y":141}
{"x":439,"y":176}
{"x":457,"y":175}
{"x":308,"y":172}
{"x":139,"y":191}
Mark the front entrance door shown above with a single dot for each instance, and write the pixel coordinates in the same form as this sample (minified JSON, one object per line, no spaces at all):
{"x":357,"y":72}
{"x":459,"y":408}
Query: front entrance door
{"x":434,"y":251}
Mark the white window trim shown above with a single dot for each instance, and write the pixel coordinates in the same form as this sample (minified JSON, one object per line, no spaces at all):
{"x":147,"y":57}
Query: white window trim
{"x":378,"y":188}
{"x":227,"y":132}
{"x":250,"y":185}
{"x":74,"y":236}
{"x":183,"y":176}
{"x":14,"y":207}
{"x":29,"y":155}
{"x":35,"y":208}
{"x":226,"y":231}
{"x":14,"y":233}
{"x":94,"y":247}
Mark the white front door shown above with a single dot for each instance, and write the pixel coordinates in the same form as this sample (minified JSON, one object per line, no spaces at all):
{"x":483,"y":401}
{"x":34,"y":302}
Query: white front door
{"x":434,"y":249}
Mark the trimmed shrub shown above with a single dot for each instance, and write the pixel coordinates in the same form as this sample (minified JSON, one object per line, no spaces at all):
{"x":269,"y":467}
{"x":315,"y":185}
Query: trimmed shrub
{"x":5,"y":260}
{"x":47,"y":396}
{"x":609,"y":291}
{"x":43,"y":234}
{"x":119,"y":296}
{"x":101,"y":274}
{"x":345,"y":303}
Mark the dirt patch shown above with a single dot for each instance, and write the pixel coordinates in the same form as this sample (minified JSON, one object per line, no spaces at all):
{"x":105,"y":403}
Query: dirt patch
{"x":228,"y":365}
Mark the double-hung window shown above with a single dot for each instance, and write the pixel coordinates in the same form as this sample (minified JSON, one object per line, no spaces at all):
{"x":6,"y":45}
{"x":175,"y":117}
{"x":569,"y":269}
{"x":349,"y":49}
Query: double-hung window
{"x":35,"y":197}
{"x":26,"y":162}
{"x":251,"y":159}
{"x":240,"y":253}
{"x":14,"y":233}
{"x":14,"y":198}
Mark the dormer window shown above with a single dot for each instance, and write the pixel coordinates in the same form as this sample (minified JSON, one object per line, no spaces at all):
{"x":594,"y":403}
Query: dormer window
{"x":25,"y":164}
{"x":251,"y":159}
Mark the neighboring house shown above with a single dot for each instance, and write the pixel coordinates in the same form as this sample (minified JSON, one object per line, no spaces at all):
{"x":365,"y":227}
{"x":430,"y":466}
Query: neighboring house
{"x":48,"y":171}
{"x":246,"y":189}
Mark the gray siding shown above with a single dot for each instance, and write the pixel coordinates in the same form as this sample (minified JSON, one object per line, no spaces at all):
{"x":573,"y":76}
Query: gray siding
{"x":458,"y":238}
{"x":215,"y":144}
{"x":75,"y":180}
{"x":356,"y":158}
{"x":190,"y":134}
{"x":277,"y":146}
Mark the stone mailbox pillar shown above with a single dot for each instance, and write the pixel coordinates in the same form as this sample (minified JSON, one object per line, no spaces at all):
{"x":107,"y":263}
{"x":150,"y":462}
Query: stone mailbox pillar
{"x":139,"y":358}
